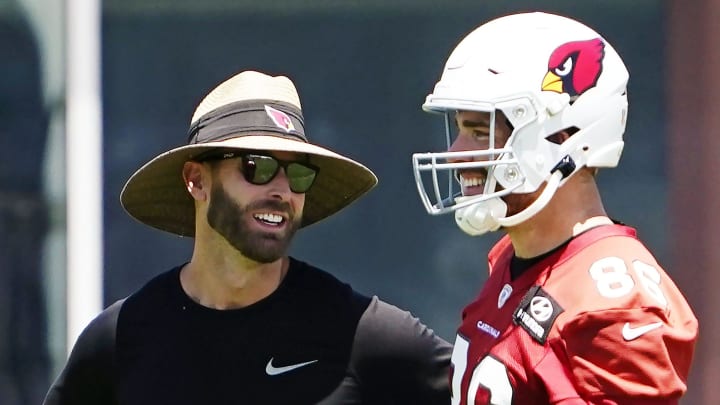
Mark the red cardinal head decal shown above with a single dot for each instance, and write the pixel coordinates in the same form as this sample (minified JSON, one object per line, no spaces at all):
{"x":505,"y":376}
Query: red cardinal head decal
{"x":574,"y":67}
{"x":280,"y":119}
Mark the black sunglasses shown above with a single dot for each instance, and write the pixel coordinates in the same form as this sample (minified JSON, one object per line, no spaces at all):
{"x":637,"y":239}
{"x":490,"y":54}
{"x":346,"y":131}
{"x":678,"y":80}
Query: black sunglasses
{"x":261,"y":169}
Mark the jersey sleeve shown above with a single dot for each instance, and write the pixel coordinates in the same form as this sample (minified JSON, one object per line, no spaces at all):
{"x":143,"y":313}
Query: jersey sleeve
{"x":627,"y":333}
{"x":558,"y":379}
{"x":395,"y":355}
{"x":619,"y":355}
{"x":87,"y":376}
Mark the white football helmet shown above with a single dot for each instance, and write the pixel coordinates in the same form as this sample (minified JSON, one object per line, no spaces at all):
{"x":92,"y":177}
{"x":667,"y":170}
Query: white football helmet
{"x":546,"y":74}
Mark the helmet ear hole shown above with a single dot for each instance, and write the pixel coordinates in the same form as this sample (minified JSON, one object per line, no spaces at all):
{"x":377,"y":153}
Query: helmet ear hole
{"x":561,"y":136}
{"x":509,"y":124}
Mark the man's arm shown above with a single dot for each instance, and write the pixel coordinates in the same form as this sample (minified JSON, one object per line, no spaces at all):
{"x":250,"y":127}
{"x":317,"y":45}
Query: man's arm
{"x":396,"y":357}
{"x":87,"y":378}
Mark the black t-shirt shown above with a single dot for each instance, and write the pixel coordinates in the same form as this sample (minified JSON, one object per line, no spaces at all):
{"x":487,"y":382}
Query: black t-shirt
{"x":314,"y":340}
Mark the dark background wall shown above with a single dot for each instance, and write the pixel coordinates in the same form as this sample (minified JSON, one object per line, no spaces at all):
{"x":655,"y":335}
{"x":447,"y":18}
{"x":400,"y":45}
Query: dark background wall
{"x":24,"y":362}
{"x":362,"y":74}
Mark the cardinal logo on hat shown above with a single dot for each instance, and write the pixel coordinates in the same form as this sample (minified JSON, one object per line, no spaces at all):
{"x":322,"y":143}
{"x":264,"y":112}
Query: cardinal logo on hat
{"x":280,"y":119}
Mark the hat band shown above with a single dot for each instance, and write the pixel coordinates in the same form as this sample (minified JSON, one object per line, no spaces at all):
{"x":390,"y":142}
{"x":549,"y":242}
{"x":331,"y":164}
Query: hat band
{"x":243,"y":118}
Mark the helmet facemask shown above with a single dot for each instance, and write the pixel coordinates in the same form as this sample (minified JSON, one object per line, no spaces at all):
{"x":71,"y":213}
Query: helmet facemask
{"x":435,"y":170}
{"x":479,"y":212}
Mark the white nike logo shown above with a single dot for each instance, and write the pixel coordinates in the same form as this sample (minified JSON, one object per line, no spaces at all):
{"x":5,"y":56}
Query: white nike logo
{"x":272,"y":370}
{"x":629,"y":333}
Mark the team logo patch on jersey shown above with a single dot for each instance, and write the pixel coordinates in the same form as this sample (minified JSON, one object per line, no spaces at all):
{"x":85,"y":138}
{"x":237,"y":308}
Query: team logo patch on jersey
{"x":280,"y":119}
{"x":504,"y":295}
{"x":537,"y":313}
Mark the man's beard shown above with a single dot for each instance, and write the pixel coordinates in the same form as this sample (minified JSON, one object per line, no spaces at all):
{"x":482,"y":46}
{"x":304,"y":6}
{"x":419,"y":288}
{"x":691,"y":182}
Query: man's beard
{"x":229,"y":219}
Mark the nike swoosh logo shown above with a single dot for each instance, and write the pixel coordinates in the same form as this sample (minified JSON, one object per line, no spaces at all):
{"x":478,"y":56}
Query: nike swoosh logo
{"x":272,"y":370}
{"x":629,"y":333}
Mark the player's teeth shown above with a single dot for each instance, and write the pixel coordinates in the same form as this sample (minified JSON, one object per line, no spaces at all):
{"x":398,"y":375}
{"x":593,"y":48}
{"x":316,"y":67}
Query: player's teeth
{"x":276,"y":219}
{"x":472,"y":182}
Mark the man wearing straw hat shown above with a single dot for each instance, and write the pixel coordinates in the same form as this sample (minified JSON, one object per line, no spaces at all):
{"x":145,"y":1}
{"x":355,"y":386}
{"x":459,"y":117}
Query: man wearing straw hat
{"x":242,"y":322}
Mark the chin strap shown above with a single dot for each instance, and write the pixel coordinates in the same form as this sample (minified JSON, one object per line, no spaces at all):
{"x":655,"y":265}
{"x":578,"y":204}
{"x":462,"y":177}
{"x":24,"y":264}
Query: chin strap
{"x":487,"y":216}
{"x":481,"y":217}
{"x":543,"y":199}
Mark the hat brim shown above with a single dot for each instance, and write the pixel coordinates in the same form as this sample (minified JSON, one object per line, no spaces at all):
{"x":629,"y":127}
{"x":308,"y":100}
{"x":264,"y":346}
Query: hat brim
{"x":156,"y":194}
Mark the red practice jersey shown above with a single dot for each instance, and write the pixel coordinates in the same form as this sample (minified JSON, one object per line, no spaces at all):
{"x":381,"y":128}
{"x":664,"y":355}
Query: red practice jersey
{"x":598,"y":321}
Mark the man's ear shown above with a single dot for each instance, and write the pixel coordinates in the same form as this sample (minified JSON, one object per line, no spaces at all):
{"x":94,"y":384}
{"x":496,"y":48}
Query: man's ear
{"x":196,"y":180}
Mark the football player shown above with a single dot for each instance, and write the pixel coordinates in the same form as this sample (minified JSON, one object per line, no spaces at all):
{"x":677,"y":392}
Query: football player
{"x":576,"y":310}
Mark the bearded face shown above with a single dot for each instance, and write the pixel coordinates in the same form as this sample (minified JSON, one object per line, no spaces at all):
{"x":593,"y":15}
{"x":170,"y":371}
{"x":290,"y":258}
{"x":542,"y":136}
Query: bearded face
{"x":248,"y":229}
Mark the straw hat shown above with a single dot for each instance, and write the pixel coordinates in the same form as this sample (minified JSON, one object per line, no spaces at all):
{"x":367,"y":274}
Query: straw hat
{"x":250,"y":111}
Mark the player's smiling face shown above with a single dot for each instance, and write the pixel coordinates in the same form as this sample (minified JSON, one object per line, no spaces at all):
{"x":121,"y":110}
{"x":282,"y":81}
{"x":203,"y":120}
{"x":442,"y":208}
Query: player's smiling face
{"x":473,"y":133}
{"x":258,"y":220}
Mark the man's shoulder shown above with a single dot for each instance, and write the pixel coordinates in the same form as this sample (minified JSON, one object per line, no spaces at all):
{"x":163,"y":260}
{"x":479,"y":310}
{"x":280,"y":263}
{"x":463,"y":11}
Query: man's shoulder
{"x":322,"y":284}
{"x":152,"y":299}
{"x":103,"y":326}
{"x":613,"y":273}
{"x":314,"y":273}
{"x":613,"y":254}
{"x":311,"y":286}
{"x":159,"y":287}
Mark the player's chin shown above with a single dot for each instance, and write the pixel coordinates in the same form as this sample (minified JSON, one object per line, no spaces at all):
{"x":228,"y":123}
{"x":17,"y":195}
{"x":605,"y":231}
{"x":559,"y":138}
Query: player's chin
{"x":517,"y":203}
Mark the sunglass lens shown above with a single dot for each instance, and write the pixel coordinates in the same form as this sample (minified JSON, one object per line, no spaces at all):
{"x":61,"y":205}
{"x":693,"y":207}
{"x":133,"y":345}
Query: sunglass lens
{"x":259,"y":169}
{"x":301,"y":177}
